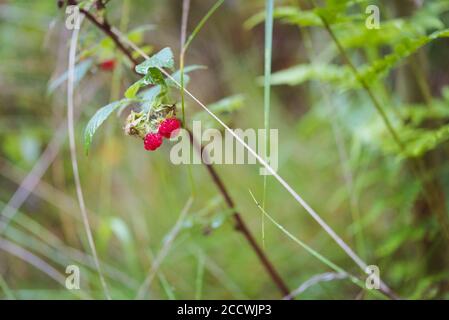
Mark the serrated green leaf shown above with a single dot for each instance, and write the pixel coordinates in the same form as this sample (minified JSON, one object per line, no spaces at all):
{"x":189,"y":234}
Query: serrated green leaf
{"x":162,"y":59}
{"x":97,"y":120}
{"x":80,"y":71}
{"x":342,"y":76}
{"x":381,"y":67}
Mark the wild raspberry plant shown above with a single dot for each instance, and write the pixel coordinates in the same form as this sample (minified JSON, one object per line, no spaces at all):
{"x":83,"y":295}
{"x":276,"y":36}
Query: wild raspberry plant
{"x":154,"y":114}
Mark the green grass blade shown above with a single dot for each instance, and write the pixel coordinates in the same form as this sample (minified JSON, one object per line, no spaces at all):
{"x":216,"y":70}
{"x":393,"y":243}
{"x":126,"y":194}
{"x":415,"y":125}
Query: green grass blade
{"x":267,"y":90}
{"x":201,"y":23}
{"x":314,"y":253}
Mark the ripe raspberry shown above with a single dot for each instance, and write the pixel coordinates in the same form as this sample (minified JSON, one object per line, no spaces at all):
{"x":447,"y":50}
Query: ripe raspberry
{"x":152,"y":141}
{"x":107,"y":65}
{"x":168,"y":126}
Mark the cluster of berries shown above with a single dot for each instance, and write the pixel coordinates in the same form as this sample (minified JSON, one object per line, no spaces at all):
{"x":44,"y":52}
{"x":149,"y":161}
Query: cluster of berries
{"x":153,"y":141}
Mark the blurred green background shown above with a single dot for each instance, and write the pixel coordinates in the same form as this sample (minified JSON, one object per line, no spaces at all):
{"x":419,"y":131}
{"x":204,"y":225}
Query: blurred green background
{"x":334,"y":151}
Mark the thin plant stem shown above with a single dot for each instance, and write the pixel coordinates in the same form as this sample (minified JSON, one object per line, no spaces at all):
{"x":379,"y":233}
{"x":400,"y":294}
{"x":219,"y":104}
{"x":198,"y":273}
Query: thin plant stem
{"x":32,"y":259}
{"x":41,"y":241}
{"x":199,"y":276}
{"x":37,"y":262}
{"x":185,"y":18}
{"x":342,"y":152}
{"x":266,"y":99}
{"x":33,"y":178}
{"x":71,"y":129}
{"x":317,"y":279}
{"x":201,"y":23}
{"x":5,"y":288}
{"x":164,"y":250}
{"x":115,"y":87}
{"x":313,"y":252}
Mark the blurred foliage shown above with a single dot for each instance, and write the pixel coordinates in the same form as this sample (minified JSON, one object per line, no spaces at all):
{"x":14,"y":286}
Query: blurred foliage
{"x":334,"y":149}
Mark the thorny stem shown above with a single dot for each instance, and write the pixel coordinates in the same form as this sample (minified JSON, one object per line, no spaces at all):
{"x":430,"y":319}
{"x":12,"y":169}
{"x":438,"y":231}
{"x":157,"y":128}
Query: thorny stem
{"x":240,"y":225}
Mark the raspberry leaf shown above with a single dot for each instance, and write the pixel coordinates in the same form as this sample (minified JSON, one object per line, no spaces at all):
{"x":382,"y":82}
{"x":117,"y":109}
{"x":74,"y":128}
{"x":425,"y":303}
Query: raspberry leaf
{"x":154,"y":76}
{"x":162,"y":59}
{"x":98,"y":118}
{"x":81,"y":70}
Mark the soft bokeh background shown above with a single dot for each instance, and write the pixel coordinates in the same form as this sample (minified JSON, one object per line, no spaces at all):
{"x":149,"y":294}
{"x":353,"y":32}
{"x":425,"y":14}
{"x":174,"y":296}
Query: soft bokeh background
{"x":333,"y":150}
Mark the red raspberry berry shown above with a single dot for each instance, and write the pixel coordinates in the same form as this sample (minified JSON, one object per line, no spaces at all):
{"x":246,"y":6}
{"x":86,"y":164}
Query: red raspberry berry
{"x":168,"y":126}
{"x":107,"y":65}
{"x":152,"y":141}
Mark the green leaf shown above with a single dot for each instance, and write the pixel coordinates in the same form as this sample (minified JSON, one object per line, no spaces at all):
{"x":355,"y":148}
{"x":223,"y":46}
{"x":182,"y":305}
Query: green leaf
{"x":342,"y":76}
{"x":154,"y":76}
{"x":299,"y":74}
{"x":290,"y":15}
{"x":154,"y":95}
{"x":131,"y":92}
{"x":381,"y":67}
{"x":136,"y":34}
{"x":80,"y":71}
{"x":177,"y":75}
{"x":228,"y":104}
{"x":223,"y":108}
{"x":97,"y":120}
{"x":150,"y":96}
{"x":162,"y":59}
{"x":334,"y":13}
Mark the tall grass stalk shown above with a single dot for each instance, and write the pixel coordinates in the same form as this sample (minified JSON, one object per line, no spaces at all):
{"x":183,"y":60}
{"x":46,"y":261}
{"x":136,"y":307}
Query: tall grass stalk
{"x":164,"y":250}
{"x":185,"y":17}
{"x":32,"y":179}
{"x":32,"y":259}
{"x":5,"y":288}
{"x":71,"y":129}
{"x":201,"y":23}
{"x":184,"y":46}
{"x":38,"y":239}
{"x":199,"y":283}
{"x":266,"y":98}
